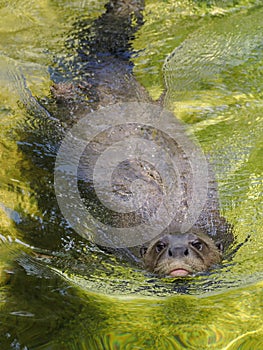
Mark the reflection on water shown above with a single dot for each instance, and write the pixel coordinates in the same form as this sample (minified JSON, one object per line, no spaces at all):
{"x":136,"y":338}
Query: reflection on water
{"x":58,"y":291}
{"x":199,"y":71}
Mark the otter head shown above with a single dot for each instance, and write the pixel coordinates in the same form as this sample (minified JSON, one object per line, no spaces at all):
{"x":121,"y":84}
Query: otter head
{"x":181,"y":254}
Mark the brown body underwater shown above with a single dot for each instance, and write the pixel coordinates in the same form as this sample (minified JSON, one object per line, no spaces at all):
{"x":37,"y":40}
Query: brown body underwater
{"x":106,"y":46}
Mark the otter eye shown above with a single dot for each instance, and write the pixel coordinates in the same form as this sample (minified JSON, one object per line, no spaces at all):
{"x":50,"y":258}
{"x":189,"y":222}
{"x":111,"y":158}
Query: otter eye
{"x":197,"y":245}
{"x":160,"y":246}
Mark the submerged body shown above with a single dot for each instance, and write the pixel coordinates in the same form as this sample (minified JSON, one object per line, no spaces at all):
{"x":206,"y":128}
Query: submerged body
{"x":104,"y":77}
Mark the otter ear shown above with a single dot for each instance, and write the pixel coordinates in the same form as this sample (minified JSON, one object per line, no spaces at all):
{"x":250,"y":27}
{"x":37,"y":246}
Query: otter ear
{"x":143,"y":250}
{"x":219,"y":246}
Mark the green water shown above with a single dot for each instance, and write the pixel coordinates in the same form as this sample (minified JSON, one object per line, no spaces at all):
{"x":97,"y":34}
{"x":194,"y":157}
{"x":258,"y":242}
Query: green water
{"x":77,"y":296}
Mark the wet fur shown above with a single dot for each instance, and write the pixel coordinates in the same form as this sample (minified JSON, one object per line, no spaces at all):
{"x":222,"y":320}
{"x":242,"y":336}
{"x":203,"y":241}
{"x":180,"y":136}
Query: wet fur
{"x":104,"y":76}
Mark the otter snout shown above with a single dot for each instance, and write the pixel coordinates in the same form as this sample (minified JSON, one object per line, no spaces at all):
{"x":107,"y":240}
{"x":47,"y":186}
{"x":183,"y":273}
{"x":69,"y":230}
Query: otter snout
{"x":178,"y":251}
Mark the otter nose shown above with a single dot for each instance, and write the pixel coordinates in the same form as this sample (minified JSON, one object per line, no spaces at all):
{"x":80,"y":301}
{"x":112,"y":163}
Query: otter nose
{"x":178,"y":252}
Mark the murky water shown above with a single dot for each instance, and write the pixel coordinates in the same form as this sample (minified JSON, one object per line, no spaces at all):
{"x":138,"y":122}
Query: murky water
{"x":59,"y":291}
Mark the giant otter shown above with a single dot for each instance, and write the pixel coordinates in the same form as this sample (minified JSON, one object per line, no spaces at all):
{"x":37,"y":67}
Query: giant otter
{"x":102,"y":74}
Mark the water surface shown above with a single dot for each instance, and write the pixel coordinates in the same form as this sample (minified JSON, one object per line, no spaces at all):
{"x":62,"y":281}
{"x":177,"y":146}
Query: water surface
{"x":76,"y":296}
